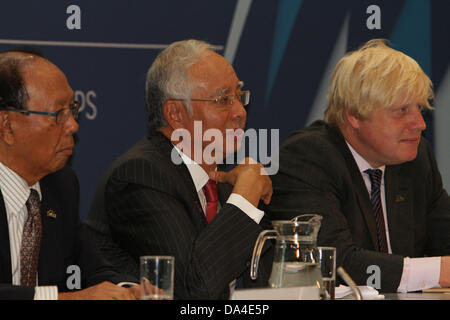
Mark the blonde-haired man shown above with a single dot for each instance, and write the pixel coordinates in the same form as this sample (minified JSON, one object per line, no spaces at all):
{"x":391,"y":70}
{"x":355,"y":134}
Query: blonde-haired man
{"x":371,"y":175}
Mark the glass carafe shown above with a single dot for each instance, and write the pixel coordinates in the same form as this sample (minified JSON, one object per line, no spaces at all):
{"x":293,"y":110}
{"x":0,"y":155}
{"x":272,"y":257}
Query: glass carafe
{"x":295,"y":262}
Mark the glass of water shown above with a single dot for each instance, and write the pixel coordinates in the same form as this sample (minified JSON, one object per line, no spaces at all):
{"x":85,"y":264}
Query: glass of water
{"x":327,"y":260}
{"x":157,"y":277}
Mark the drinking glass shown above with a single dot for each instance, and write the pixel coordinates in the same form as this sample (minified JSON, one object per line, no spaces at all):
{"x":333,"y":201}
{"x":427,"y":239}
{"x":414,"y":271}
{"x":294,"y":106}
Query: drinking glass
{"x":157,"y":277}
{"x":327,"y":259}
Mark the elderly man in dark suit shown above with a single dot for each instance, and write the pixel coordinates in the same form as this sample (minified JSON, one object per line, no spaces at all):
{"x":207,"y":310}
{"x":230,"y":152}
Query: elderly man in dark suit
{"x":371,"y":175}
{"x":165,"y":200}
{"x":45,"y":253}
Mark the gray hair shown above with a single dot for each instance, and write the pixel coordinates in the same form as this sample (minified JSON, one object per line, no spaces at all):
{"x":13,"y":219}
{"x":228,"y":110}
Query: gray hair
{"x":168,"y":78}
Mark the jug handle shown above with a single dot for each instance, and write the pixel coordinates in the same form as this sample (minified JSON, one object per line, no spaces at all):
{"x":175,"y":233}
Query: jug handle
{"x":263,"y":236}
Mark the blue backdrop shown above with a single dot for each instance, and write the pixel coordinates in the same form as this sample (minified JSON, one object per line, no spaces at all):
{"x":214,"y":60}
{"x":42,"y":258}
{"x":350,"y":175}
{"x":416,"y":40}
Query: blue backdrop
{"x":283,"y":50}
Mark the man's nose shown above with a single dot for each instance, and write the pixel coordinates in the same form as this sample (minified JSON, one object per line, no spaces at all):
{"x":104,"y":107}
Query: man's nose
{"x":417,"y":120}
{"x":238,"y":111}
{"x":71,"y":125}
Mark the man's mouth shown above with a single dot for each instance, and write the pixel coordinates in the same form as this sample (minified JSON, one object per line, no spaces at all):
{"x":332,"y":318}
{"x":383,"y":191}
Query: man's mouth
{"x":411,"y":140}
{"x":67,"y":150}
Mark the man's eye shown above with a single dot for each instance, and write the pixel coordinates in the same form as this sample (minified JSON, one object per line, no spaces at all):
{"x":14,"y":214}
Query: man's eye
{"x":224,"y":99}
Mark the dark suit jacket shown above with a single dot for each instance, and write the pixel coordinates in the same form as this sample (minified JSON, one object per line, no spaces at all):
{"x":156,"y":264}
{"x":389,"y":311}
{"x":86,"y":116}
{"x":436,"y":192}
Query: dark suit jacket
{"x":147,"y":205}
{"x":64,"y":241}
{"x":319,"y":174}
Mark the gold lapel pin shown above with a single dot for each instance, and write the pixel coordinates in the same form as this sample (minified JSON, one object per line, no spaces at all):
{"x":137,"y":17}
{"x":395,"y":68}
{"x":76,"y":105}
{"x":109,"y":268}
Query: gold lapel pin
{"x":51,"y":214}
{"x":399,"y":198}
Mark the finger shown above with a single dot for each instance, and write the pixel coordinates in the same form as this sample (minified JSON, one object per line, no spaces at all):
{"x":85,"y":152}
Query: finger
{"x":267,"y":198}
{"x":223,"y":177}
{"x":123,"y":294}
{"x":136,"y":291}
{"x":248,"y":160}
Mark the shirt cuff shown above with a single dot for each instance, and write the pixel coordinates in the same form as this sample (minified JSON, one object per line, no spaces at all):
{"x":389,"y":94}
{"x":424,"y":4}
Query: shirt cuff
{"x":420,"y":273}
{"x":127,"y":284}
{"x":46,"y":293}
{"x":239,"y":201}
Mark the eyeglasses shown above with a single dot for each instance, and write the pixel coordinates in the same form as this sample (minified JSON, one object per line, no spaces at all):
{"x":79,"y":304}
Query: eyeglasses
{"x":243,"y":96}
{"x":61,"y":115}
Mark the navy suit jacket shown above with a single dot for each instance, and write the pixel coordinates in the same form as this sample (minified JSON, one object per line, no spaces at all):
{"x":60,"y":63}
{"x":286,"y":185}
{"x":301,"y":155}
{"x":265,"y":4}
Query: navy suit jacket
{"x":319,"y":174}
{"x":64,"y":241}
{"x":147,"y":205}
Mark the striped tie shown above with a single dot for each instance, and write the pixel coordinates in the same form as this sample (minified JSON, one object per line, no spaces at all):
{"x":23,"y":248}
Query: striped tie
{"x":375,"y":181}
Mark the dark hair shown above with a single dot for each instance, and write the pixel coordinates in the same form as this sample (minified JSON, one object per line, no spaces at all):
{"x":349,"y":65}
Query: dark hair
{"x":12,"y":88}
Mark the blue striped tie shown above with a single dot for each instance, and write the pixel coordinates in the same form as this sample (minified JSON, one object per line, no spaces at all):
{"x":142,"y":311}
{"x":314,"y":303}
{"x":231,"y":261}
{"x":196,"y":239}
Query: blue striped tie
{"x":375,"y":181}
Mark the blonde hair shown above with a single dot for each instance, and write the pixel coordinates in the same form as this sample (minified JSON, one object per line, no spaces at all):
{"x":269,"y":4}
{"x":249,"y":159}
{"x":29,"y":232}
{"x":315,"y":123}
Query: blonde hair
{"x":374,"y":77}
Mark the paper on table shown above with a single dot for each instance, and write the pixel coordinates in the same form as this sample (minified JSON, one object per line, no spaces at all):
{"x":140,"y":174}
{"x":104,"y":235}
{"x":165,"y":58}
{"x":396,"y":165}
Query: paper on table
{"x":367,"y":292}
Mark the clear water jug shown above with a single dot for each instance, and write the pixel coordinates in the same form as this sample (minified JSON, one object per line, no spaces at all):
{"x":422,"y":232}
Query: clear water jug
{"x":295,"y":262}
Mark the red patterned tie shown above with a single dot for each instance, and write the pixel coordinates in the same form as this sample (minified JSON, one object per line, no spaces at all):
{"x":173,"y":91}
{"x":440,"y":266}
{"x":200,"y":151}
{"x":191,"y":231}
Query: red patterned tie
{"x":210,"y":191}
{"x":31,"y":241}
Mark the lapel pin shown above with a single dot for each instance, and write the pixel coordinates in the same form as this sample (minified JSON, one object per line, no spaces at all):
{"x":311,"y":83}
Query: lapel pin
{"x":399,"y":198}
{"x":51,"y":214}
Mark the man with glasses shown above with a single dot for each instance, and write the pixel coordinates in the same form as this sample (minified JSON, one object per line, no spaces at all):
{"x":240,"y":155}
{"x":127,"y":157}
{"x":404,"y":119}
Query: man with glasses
{"x":165,"y":197}
{"x":44,"y":250}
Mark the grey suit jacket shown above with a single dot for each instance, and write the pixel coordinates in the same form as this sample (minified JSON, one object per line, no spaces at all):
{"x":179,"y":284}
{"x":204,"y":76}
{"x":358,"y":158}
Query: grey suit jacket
{"x":319,"y":174}
{"x":146,"y":205}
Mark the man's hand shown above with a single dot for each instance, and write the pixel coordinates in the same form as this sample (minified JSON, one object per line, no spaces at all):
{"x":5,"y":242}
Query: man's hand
{"x":103,"y":291}
{"x":247,"y":181}
{"x":444,"y":279}
{"x":150,"y":290}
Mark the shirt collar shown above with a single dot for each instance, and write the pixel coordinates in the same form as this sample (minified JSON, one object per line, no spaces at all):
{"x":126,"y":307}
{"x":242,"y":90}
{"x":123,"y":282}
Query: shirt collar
{"x":15,"y":189}
{"x":363,"y":165}
{"x":198,"y":174}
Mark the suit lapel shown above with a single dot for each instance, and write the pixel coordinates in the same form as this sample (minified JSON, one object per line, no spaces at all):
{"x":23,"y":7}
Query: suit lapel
{"x":360,"y":188}
{"x":5,"y":251}
{"x":186,"y":185}
{"x":50,"y":254}
{"x":399,"y":211}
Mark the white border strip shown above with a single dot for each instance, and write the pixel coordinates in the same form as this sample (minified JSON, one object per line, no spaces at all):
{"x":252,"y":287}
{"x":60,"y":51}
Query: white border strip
{"x":237,"y":26}
{"x":90,"y":44}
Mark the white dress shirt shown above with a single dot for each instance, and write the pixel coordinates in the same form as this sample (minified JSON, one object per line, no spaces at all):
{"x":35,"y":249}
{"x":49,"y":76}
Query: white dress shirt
{"x":418,"y":273}
{"x":200,"y":178}
{"x":16,"y":191}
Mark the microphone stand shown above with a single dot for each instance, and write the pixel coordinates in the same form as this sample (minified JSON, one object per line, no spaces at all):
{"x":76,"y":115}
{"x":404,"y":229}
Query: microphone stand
{"x":349,"y":281}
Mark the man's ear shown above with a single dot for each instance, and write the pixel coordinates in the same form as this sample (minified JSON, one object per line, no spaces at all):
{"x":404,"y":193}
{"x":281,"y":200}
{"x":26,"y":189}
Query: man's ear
{"x":353,"y":119}
{"x":6,"y":133}
{"x":174,"y":113}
